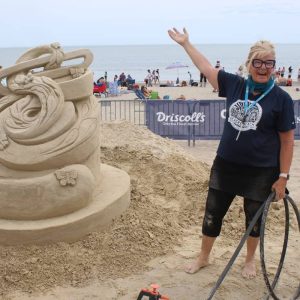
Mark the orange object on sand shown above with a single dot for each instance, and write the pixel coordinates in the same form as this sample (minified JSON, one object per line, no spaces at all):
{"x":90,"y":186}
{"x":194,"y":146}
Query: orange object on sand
{"x":152,"y":294}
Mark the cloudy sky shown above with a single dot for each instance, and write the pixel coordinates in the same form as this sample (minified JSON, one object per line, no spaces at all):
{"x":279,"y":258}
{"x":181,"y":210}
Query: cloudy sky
{"x":120,"y":22}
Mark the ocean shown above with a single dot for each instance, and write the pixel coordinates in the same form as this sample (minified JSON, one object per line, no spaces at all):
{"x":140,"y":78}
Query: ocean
{"x":137,"y":59}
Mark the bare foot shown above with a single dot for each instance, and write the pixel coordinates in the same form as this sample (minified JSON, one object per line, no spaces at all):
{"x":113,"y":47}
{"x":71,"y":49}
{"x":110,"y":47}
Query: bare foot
{"x":196,"y":265}
{"x":249,"y":270}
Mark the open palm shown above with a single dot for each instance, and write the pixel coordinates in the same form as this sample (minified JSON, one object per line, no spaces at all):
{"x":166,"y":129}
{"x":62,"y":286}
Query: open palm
{"x":180,"y":38}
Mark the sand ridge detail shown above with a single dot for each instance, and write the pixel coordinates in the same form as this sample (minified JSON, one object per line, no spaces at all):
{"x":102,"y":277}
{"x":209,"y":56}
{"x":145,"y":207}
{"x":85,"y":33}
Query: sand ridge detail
{"x":168,"y":190}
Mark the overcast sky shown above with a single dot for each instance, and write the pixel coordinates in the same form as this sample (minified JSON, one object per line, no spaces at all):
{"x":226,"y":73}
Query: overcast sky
{"x":120,"y":22}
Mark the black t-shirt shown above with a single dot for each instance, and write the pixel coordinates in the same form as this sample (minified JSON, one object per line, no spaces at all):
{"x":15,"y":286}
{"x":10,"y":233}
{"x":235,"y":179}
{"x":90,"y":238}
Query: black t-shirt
{"x":258,"y":143}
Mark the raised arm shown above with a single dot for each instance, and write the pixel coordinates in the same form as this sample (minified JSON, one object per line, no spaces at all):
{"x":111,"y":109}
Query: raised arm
{"x":199,"y":60}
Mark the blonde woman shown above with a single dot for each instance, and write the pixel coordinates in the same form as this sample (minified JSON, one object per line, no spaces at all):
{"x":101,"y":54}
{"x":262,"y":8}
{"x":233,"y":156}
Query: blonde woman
{"x":255,"y":152}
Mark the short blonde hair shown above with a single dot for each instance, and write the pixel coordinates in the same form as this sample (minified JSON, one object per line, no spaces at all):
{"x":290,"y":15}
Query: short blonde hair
{"x":258,"y":50}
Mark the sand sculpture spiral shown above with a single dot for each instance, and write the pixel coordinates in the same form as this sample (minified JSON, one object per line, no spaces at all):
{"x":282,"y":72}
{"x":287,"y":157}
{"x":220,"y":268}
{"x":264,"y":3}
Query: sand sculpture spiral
{"x":50,"y":168}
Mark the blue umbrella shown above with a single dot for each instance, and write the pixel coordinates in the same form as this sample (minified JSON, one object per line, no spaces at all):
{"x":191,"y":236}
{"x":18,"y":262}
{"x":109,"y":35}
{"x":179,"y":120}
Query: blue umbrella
{"x":176,"y":65}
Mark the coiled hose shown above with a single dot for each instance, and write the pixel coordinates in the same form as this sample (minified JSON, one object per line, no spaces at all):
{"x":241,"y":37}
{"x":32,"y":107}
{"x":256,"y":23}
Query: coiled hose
{"x":264,"y":209}
{"x":271,"y":287}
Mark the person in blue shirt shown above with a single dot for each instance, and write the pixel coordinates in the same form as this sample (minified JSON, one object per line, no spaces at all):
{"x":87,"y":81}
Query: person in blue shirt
{"x":256,"y":148}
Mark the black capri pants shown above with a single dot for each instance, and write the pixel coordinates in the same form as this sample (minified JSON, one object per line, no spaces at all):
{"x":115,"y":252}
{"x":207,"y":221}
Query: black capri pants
{"x":217,"y":205}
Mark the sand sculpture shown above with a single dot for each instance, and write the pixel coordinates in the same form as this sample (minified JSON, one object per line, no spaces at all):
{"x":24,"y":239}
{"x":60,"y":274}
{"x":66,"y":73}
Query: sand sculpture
{"x":53,"y":186}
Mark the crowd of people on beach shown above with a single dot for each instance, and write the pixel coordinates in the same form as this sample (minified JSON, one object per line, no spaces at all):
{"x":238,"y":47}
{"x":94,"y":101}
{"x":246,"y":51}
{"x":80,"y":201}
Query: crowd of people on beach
{"x":104,"y":87}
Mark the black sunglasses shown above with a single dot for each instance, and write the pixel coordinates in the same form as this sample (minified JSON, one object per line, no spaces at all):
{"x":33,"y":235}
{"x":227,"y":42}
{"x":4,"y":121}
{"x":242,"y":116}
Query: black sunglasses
{"x":269,"y":64}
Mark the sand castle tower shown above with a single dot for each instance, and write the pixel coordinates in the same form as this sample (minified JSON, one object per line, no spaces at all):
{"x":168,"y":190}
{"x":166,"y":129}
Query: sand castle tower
{"x":53,"y":186}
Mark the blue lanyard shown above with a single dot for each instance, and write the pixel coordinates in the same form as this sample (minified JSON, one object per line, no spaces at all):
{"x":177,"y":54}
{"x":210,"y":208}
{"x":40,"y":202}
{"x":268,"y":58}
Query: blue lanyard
{"x":246,"y":108}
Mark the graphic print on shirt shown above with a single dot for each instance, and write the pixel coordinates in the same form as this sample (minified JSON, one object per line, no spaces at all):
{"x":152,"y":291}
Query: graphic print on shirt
{"x":237,"y":115}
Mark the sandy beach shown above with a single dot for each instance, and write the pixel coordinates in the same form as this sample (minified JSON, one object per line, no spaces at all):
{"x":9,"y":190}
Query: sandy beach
{"x":159,"y":233}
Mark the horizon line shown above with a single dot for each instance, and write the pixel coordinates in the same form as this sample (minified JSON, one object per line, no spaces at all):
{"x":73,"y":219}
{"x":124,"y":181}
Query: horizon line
{"x":142,"y":45}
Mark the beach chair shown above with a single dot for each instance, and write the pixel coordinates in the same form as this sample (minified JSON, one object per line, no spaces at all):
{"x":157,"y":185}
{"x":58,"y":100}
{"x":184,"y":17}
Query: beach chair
{"x":100,"y":90}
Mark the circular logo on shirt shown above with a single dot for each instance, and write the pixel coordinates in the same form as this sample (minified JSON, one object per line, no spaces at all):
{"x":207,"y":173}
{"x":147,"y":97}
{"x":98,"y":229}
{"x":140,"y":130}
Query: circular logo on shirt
{"x":237,"y":117}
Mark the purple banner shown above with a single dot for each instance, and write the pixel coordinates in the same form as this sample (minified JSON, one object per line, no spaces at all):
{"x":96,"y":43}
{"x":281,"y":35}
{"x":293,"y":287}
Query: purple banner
{"x":203,"y":119}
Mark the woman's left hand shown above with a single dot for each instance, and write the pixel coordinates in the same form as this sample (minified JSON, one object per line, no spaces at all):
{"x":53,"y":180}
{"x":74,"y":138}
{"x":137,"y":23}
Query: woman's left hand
{"x":279,"y":188}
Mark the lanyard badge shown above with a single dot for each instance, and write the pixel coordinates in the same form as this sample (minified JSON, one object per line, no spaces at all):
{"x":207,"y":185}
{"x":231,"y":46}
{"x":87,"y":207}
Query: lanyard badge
{"x":247,"y":108}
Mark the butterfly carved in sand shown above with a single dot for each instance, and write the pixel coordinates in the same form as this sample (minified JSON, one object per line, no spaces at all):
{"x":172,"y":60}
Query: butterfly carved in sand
{"x":66,"y":177}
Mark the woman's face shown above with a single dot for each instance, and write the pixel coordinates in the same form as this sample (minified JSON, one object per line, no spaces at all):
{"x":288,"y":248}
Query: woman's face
{"x":262,"y":68}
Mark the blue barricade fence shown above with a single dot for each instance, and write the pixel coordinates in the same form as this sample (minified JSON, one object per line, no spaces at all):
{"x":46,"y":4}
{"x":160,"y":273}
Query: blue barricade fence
{"x":191,"y":120}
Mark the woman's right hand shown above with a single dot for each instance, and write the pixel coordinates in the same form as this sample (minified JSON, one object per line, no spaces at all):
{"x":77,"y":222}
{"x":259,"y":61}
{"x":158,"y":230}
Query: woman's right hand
{"x":180,"y":38}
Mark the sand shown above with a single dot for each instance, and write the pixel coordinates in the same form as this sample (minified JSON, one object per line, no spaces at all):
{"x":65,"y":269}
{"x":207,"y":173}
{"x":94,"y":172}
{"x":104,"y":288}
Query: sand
{"x":155,"y":238}
{"x":158,"y":234}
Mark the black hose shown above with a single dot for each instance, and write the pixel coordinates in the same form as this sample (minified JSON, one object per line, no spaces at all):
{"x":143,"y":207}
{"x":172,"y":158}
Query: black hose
{"x":283,"y":252}
{"x":271,"y":287}
{"x":263,"y":209}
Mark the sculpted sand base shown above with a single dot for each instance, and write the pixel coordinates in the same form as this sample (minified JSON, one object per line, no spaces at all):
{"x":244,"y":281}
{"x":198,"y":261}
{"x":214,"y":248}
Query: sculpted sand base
{"x":106,"y":206}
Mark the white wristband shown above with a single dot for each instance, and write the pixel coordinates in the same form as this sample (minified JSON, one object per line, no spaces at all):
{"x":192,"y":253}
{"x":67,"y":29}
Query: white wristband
{"x":285,"y":175}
